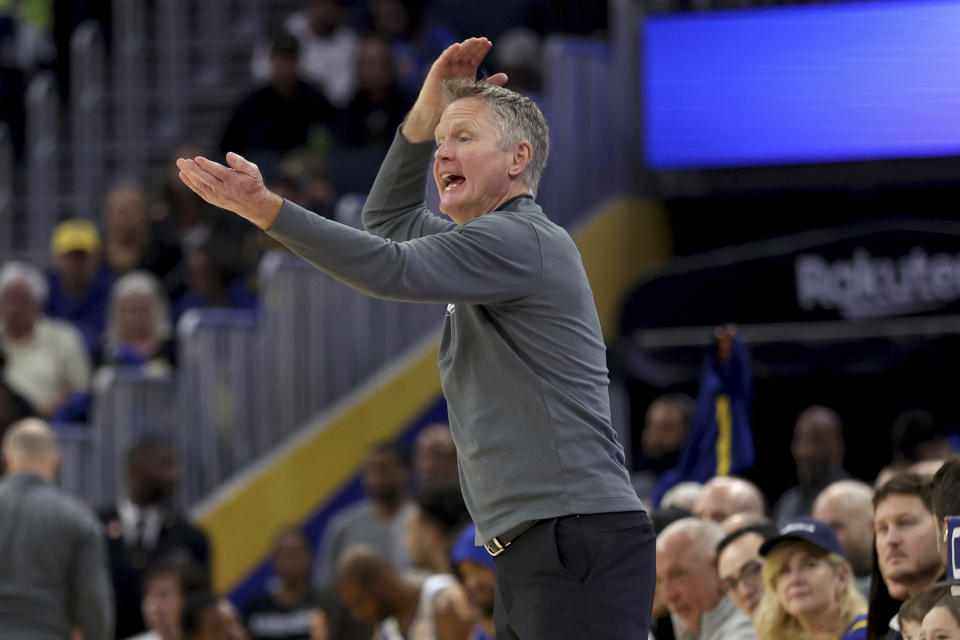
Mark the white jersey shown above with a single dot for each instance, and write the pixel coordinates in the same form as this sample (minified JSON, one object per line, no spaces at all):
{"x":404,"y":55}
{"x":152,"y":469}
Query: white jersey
{"x":422,"y":626}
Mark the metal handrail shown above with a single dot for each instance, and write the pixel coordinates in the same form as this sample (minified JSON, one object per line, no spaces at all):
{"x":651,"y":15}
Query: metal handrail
{"x":86,"y":118}
{"x":43,"y":182}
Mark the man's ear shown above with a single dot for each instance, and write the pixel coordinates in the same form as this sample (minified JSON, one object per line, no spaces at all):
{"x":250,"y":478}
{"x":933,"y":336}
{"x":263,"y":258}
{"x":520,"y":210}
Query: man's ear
{"x":521,"y":158}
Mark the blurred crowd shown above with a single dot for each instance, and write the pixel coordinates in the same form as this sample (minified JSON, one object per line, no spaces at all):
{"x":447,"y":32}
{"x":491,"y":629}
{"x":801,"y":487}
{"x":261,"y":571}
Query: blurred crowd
{"x":833,"y":557}
{"x":341,"y":79}
{"x":401,"y":562}
{"x":330,"y":85}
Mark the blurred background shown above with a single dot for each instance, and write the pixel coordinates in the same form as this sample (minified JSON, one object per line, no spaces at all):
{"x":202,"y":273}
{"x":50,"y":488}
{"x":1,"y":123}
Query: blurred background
{"x":790,"y":167}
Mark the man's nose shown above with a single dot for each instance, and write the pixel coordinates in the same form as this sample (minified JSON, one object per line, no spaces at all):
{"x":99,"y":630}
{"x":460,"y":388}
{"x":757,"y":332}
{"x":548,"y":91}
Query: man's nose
{"x":444,"y":151}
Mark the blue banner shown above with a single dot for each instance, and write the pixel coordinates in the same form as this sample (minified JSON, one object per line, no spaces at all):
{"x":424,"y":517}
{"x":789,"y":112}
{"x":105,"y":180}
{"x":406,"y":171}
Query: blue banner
{"x":806,"y":84}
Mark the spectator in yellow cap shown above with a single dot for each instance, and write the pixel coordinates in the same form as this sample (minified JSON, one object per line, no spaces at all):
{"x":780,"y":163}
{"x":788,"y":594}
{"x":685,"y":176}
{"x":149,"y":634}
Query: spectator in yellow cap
{"x":79,"y":285}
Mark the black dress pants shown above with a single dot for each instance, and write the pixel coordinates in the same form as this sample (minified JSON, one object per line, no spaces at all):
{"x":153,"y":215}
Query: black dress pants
{"x":586,"y":577}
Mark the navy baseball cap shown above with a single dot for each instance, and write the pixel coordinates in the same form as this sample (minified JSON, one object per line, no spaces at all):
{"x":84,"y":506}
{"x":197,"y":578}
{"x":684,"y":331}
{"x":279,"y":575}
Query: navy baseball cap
{"x":816,"y":532}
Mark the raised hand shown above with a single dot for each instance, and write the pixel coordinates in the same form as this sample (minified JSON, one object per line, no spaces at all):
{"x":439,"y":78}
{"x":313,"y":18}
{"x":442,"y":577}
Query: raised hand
{"x":459,"y":60}
{"x":238,"y":188}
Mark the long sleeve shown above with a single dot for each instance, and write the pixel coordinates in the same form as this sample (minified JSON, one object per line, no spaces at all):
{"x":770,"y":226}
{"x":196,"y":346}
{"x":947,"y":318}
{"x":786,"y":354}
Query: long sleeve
{"x":75,"y":361}
{"x":395,"y":207}
{"x":493,"y":258}
{"x":91,"y":608}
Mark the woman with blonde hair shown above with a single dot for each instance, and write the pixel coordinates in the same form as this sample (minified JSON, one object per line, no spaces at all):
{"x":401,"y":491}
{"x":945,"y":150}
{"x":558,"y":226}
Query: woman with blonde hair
{"x":139,"y":332}
{"x":811,"y":593}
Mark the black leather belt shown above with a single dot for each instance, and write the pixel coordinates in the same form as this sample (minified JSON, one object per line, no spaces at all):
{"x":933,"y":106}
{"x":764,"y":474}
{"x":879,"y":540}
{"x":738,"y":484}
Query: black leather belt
{"x":499,"y":544}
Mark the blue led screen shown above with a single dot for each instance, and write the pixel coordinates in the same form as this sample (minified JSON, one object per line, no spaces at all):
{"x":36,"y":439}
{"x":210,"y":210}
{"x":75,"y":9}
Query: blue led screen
{"x":806,"y":84}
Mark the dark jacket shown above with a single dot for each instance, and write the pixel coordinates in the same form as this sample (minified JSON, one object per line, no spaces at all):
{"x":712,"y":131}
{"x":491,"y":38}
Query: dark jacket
{"x":177,"y":537}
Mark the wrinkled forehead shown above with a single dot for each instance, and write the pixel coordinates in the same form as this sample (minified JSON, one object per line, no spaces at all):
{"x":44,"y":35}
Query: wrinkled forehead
{"x":678,"y":551}
{"x":465,"y":110}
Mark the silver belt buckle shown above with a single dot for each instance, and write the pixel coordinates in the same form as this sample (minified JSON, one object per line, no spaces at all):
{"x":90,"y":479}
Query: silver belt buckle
{"x":495,"y":547}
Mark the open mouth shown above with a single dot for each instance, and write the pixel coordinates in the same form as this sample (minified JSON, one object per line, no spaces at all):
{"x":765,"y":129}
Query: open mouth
{"x":451,"y":181}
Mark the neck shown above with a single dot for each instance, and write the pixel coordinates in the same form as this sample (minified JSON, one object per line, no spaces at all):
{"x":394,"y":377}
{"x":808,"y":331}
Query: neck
{"x":143,"y":503}
{"x":487,"y":625}
{"x":283,"y":89}
{"x":440,"y":562}
{"x":914,"y":587}
{"x":76,"y":289}
{"x":407,"y":601}
{"x":18,"y":333}
{"x":387,"y":509}
{"x":822,"y":625}
{"x":169,"y":634}
{"x":714,"y":605}
{"x":292,"y":590}
{"x":27,"y":468}
{"x":519,"y":190}
{"x":819,"y":481}
{"x":144,"y":344}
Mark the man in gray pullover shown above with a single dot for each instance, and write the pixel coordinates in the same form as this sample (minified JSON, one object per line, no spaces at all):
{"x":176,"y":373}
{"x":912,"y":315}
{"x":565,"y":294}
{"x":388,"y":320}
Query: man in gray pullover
{"x":522,"y":358}
{"x":54,"y":576}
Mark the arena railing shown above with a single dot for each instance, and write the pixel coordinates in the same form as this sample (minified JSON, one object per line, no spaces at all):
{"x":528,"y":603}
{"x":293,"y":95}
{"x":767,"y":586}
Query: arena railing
{"x":78,"y":474}
{"x":583,"y":168}
{"x":129,"y":83}
{"x":172,"y":65}
{"x":244,"y":380}
{"x":321,"y":337}
{"x":87,"y":79}
{"x":43,"y":157}
{"x":127,"y":403}
{"x":219,"y":391}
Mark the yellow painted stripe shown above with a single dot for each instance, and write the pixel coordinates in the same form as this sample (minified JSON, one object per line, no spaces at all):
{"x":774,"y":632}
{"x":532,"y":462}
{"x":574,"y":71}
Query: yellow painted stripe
{"x":296,"y":482}
{"x":243,"y":518}
{"x":617,"y":244}
{"x":724,"y":435}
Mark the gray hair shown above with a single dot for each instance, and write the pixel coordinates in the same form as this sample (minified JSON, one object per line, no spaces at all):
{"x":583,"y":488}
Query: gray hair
{"x":139,"y":283}
{"x":16,"y":271}
{"x":682,"y":494}
{"x":703,"y":535}
{"x":515,"y":117}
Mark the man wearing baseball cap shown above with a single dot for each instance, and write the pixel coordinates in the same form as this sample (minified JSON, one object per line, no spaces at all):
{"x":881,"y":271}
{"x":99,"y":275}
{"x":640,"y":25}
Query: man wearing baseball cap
{"x":79,"y":284}
{"x":811,"y":592}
